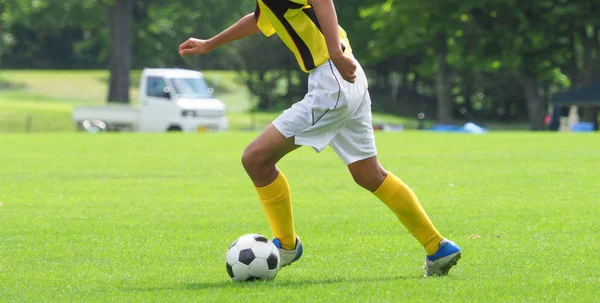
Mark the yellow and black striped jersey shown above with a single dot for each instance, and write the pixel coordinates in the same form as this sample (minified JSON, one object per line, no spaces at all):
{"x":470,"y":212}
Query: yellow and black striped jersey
{"x":295,"y":22}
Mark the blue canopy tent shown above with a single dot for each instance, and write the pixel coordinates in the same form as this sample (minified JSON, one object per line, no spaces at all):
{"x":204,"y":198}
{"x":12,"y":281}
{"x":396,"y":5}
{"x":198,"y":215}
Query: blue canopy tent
{"x":587,"y":96}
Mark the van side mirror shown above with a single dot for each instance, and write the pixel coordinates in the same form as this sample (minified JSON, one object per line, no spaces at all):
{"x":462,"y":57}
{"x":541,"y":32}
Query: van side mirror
{"x":166,"y":93}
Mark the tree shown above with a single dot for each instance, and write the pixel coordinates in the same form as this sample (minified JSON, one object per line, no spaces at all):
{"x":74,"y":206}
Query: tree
{"x":498,"y":59}
{"x":3,"y":25}
{"x":527,"y":37}
{"x":425,"y":27}
{"x":583,"y":57}
{"x":268,"y":69}
{"x":119,"y":17}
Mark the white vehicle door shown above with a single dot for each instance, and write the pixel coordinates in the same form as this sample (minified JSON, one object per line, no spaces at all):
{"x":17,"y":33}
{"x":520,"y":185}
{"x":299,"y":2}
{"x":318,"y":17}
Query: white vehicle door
{"x":158,"y":111}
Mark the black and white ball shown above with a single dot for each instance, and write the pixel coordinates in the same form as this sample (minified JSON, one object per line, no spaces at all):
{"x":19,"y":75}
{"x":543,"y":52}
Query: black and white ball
{"x":252,"y":257}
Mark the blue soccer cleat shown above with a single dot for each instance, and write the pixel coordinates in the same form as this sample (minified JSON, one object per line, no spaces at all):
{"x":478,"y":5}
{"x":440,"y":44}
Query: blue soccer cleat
{"x":289,"y":256}
{"x":440,"y":263}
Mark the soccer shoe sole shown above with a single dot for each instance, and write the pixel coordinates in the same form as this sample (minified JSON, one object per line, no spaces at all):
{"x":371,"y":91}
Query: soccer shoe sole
{"x":289,"y":256}
{"x":443,"y":271}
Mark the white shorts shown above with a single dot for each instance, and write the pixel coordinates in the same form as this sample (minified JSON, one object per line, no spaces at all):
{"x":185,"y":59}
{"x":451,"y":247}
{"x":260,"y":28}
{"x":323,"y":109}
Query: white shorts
{"x":334,"y":112}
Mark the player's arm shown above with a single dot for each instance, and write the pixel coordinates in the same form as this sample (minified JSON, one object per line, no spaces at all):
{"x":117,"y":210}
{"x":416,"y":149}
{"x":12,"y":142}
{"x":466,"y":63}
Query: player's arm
{"x":245,"y":27}
{"x":325,"y":11}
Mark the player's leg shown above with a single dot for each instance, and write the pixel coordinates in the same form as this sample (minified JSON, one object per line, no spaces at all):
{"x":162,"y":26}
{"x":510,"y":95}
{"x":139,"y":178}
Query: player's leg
{"x":369,"y":174}
{"x":355,"y":145}
{"x":294,"y":127}
{"x":259,"y":161}
{"x":442,"y":254}
{"x":261,"y":155}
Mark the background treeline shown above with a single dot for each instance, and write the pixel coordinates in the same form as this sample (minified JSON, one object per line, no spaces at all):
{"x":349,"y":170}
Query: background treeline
{"x":495,"y":60}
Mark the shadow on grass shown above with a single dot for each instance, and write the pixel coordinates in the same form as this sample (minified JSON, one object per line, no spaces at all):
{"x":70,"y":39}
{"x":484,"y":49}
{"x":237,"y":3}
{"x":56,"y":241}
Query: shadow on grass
{"x":6,"y":85}
{"x":275,"y":283}
{"x":296,"y":283}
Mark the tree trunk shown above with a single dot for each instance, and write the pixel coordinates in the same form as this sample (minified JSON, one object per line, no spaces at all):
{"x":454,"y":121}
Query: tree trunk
{"x":590,"y":114}
{"x":1,"y":37}
{"x":535,"y":104}
{"x":443,"y":83}
{"x":468,"y":89}
{"x":120,"y":19}
{"x":591,"y":49}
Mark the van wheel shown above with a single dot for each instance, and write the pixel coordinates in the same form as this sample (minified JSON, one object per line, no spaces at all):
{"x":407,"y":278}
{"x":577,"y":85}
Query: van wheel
{"x":93,"y":126}
{"x":174,"y":128}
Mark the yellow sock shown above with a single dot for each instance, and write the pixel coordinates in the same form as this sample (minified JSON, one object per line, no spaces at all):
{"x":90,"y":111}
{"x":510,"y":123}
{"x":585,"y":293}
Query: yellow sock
{"x":277,"y":204}
{"x":404,"y":203}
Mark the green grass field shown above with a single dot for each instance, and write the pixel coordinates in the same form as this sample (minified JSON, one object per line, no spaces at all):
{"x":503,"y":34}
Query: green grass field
{"x":148,"y":218}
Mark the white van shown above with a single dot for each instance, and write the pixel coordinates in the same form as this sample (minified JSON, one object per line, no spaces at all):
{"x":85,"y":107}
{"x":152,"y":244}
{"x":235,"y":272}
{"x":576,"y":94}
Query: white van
{"x":170,"y":100}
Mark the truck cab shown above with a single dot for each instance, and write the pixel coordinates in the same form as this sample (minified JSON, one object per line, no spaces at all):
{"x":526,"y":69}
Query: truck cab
{"x":178,"y":100}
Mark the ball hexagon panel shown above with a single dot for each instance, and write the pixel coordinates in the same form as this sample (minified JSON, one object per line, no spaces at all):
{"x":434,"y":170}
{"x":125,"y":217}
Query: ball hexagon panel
{"x":270,"y":275}
{"x":232,"y":256}
{"x":261,"y":250}
{"x":240,"y":271}
{"x":245,"y":241}
{"x":258,"y":268}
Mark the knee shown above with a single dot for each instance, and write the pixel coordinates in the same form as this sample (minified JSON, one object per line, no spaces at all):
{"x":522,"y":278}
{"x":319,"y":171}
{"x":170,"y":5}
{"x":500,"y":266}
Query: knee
{"x":370,"y":180}
{"x":253,"y":159}
{"x":249,"y":158}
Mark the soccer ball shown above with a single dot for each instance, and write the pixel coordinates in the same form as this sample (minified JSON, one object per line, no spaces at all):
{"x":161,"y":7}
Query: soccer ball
{"x":252,"y":257}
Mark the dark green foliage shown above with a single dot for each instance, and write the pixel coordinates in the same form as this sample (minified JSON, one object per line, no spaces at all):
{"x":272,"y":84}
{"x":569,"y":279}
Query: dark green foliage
{"x":494,"y":60}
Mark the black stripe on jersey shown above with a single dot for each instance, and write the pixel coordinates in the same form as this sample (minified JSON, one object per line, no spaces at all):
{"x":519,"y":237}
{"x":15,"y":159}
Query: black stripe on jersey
{"x":282,"y":6}
{"x":310,"y":13}
{"x":257,"y":12}
{"x":279,"y":8}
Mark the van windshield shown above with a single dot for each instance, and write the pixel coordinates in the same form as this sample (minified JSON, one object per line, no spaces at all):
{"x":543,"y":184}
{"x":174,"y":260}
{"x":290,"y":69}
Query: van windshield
{"x":191,"y":88}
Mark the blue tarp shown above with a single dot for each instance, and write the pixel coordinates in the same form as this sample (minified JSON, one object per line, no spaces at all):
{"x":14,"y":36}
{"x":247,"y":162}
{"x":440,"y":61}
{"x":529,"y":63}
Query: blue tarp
{"x":582,"y":127}
{"x":469,"y":127}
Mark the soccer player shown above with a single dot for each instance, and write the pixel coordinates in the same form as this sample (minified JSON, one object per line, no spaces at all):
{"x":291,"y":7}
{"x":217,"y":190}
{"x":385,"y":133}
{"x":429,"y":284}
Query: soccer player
{"x":336,"y":111}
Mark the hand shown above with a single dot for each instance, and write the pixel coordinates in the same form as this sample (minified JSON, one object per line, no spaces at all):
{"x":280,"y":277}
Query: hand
{"x":194,"y":46}
{"x":346,"y":66}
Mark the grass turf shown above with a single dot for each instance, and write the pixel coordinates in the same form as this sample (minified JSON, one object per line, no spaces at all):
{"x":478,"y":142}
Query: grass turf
{"x":136,"y":217}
